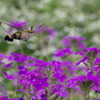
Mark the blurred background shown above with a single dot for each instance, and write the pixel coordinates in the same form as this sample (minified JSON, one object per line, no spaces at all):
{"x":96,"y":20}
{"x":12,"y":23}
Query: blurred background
{"x":67,"y":17}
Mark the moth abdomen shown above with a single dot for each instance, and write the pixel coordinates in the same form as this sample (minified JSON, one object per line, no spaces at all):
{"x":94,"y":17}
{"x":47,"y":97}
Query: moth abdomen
{"x":8,"y":38}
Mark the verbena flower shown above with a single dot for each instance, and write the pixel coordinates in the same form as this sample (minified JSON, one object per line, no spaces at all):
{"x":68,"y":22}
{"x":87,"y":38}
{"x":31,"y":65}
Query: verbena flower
{"x":39,"y":93}
{"x":21,"y":98}
{"x":85,"y":82}
{"x":22,"y":69}
{"x":5,"y":98}
{"x":69,"y":68}
{"x":97,"y":61}
{"x":17,"y":24}
{"x":38,"y":78}
{"x":17,"y":57}
{"x":63,"y":52}
{"x":33,"y":98}
{"x":8,"y":76}
{"x":13,"y":77}
{"x":88,"y":54}
{"x":59,"y":89}
{"x":69,"y":40}
{"x":48,"y":31}
{"x":8,"y":65}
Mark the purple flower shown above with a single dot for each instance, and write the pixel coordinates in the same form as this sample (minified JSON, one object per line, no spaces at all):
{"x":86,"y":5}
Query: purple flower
{"x":22,"y":69}
{"x":83,"y":60}
{"x":56,"y":66}
{"x":41,"y":63}
{"x":69,"y":68}
{"x":17,"y":24}
{"x":92,"y":52}
{"x":63,"y":93}
{"x":10,"y":77}
{"x":17,"y":57}
{"x":68,"y":40}
{"x":85,"y":82}
{"x":95,"y":80}
{"x":8,"y":65}
{"x":59,"y":77}
{"x":3,"y":98}
{"x":39,"y":93}
{"x":88,"y":54}
{"x":47,"y":30}
{"x":4,"y":92}
{"x":13,"y":77}
{"x":96,"y":88}
{"x":51,"y":31}
{"x":41,"y":83}
{"x":82,"y":78}
{"x":63,"y":52}
{"x":97,"y":61}
{"x":35,"y":78}
{"x":21,"y":98}
{"x":33,"y":98}
{"x":59,"y":90}
{"x":44,"y":97}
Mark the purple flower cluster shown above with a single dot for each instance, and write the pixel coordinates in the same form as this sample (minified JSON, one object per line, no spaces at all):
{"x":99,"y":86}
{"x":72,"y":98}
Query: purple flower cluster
{"x":16,"y":24}
{"x":92,"y":78}
{"x":43,"y":80}
{"x":63,"y":52}
{"x":69,"y":40}
{"x":5,"y":98}
{"x":38,"y":79}
{"x":48,"y":31}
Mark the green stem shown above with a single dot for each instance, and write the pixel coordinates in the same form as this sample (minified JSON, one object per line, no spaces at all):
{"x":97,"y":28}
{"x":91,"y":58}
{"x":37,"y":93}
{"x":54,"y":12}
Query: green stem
{"x":29,"y":88}
{"x":48,"y":88}
{"x":97,"y":95}
{"x":21,"y":48}
{"x":91,"y":64}
{"x":86,"y":65}
{"x":26,"y":95}
{"x":17,"y":83}
{"x":86,"y":95}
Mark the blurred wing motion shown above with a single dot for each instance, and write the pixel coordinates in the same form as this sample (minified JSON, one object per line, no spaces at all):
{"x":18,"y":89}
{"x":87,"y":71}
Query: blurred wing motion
{"x":26,"y":34}
{"x":20,"y":34}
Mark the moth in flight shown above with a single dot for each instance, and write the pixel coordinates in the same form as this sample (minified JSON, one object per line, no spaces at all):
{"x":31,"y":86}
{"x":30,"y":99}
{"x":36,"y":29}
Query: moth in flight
{"x":20,"y":34}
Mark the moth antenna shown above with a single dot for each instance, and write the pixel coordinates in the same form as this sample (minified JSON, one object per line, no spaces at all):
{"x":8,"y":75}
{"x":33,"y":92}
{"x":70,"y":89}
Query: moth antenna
{"x":3,"y":28}
{"x":13,"y":26}
{"x":10,"y":25}
{"x":31,"y":27}
{"x":0,"y":23}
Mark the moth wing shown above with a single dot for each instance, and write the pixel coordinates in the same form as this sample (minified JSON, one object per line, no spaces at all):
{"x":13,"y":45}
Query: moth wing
{"x":25,"y":35}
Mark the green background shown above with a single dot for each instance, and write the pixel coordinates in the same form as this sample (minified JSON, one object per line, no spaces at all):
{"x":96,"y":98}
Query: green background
{"x":67,"y":17}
